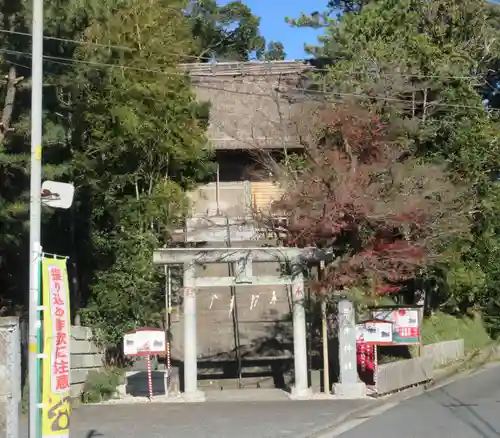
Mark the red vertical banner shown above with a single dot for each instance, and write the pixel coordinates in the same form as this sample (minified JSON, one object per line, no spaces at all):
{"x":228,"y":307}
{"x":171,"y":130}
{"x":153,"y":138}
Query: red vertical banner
{"x":366,"y":362}
{"x":361,"y":349}
{"x":56,"y":348}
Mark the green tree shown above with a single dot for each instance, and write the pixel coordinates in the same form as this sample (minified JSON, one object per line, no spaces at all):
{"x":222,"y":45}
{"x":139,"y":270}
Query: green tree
{"x":139,"y":142}
{"x":15,"y":67}
{"x":430,"y":63}
{"x":119,"y":122}
{"x":275,"y":52}
{"x":347,"y":5}
{"x":224,"y":33}
{"x":122,"y":124}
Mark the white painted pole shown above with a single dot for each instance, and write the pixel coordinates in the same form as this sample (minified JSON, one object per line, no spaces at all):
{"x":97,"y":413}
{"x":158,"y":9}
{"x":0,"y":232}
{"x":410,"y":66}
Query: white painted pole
{"x":190,"y":353}
{"x":35,"y":210}
{"x":301,"y":389}
{"x":217,"y":190}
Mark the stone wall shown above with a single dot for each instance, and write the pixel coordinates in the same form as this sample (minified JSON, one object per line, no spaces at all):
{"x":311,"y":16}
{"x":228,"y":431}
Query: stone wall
{"x":85,"y":356}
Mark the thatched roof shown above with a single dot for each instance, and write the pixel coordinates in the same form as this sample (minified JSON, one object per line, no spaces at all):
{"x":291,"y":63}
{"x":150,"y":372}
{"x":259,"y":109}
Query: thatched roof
{"x":250,"y":108}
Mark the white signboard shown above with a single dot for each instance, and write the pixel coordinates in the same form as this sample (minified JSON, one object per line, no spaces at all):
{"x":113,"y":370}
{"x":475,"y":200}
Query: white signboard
{"x":406,"y":330}
{"x":144,"y":342}
{"x":374,"y":332}
{"x":129,"y":347}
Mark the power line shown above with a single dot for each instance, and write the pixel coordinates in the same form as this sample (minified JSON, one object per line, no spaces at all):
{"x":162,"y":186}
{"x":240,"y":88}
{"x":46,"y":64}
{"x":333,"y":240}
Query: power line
{"x":106,"y":46}
{"x":91,"y":63}
{"x":68,"y":40}
{"x":69,"y":62}
{"x":221,"y":126}
{"x":189,"y":56}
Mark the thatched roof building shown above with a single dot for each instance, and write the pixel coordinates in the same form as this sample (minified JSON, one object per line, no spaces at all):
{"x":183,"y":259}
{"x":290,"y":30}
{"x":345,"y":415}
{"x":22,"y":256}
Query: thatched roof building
{"x":250,"y":104}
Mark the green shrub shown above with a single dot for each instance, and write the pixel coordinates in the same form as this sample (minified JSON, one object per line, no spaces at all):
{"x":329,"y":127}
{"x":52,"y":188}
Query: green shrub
{"x":444,"y":327}
{"x":101,"y":385}
{"x":25,"y":397}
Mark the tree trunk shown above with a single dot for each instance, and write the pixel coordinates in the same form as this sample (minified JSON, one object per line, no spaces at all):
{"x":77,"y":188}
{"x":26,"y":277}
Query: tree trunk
{"x":9,"y":103}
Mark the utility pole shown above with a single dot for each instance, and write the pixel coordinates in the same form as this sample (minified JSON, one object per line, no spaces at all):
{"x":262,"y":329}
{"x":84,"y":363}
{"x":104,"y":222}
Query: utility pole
{"x":35,"y":215}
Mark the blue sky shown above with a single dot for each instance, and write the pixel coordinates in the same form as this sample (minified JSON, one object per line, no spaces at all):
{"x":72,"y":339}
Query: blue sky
{"x":274,"y":28}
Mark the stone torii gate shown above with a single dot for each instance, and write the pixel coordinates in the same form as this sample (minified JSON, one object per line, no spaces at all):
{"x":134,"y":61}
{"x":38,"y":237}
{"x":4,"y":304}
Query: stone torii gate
{"x":243,"y":258}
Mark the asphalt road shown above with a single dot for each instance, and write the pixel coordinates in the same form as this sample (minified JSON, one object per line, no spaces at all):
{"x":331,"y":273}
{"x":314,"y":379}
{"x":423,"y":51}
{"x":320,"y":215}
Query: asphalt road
{"x":263,"y":419}
{"x":467,"y":408}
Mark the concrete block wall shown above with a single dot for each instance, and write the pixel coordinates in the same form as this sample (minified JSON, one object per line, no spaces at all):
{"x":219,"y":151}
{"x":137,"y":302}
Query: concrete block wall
{"x":136,"y":384}
{"x":85,"y":357}
{"x":444,"y":352}
{"x":404,"y":373}
{"x":401,"y":374}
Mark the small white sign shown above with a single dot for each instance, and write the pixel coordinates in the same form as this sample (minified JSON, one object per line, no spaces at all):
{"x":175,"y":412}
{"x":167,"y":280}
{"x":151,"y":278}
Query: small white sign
{"x":374,"y":332}
{"x":406,"y":323}
{"x":144,"y":342}
{"x":129,"y":347}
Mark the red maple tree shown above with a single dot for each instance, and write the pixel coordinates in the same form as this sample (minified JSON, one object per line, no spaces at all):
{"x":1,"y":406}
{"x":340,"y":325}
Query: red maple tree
{"x":364,"y":194}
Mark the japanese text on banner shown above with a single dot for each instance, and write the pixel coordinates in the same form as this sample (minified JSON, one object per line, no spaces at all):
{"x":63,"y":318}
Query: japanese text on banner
{"x":56,"y":348}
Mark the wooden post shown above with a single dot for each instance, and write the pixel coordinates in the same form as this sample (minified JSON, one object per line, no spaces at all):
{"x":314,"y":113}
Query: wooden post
{"x":324,"y":332}
{"x":420,"y":321}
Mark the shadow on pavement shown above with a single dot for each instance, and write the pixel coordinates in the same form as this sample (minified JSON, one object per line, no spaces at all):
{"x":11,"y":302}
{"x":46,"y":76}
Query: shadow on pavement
{"x":486,"y":426}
